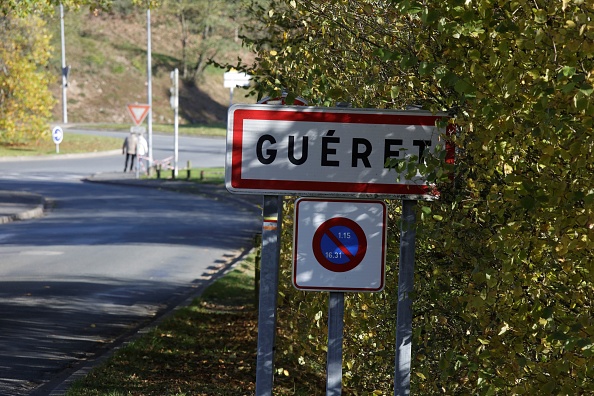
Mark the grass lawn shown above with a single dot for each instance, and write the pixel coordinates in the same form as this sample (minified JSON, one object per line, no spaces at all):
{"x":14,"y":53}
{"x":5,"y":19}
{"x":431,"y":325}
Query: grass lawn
{"x":196,"y":175}
{"x":78,"y":143}
{"x":72,"y":143}
{"x":187,"y":130}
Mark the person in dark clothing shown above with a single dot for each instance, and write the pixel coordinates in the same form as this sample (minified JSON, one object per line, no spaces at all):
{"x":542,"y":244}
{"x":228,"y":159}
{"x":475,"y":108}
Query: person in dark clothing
{"x":129,"y":148}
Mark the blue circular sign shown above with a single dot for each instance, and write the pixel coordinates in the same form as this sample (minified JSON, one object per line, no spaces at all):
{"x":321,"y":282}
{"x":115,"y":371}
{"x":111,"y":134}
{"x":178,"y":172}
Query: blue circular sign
{"x":57,"y":135}
{"x":339,"y":244}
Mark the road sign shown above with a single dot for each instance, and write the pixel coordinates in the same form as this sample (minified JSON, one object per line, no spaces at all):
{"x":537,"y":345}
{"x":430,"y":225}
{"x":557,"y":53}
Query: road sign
{"x":339,"y":245}
{"x":295,"y":150}
{"x":139,"y":130}
{"x":138,"y":112}
{"x":57,"y":135}
{"x":232,"y":79}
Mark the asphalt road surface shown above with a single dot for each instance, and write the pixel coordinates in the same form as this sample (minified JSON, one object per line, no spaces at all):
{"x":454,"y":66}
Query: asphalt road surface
{"x":104,"y":261}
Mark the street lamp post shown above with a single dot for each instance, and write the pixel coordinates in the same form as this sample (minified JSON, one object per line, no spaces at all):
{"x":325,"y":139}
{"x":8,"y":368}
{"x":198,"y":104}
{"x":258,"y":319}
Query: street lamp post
{"x":149,"y":88}
{"x":64,"y":69}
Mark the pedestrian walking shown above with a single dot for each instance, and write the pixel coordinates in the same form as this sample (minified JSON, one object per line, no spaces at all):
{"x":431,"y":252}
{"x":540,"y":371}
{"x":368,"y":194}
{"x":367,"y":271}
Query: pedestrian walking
{"x":129,"y":148}
{"x":142,"y":151}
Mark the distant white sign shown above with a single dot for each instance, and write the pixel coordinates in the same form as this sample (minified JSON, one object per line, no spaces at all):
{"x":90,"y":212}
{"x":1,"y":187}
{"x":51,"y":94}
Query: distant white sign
{"x":234,"y":79}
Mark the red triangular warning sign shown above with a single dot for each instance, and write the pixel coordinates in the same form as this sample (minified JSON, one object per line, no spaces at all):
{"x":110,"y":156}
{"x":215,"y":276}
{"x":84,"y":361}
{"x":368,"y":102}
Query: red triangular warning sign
{"x":138,"y":112}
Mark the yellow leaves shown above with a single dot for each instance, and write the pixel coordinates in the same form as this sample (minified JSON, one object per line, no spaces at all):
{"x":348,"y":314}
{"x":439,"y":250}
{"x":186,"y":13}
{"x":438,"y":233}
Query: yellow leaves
{"x":503,"y":329}
{"x":24,"y":94}
{"x":366,"y":9}
{"x":350,"y":364}
{"x":282,"y":371}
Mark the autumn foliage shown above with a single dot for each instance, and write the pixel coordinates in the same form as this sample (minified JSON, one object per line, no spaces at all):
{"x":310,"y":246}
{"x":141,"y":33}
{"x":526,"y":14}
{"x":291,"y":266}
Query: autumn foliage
{"x":25,"y":99}
{"x":505,"y":270}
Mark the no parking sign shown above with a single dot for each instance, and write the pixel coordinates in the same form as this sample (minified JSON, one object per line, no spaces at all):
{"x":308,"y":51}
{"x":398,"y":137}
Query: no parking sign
{"x":339,"y":245}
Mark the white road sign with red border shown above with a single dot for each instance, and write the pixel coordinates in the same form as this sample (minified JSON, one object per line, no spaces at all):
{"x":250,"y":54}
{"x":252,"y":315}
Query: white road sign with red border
{"x":138,"y":112}
{"x":339,"y":245}
{"x":297,"y":150}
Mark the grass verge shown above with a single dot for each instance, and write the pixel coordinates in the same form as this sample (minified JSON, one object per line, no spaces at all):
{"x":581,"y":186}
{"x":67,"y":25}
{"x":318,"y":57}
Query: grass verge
{"x":206,"y":348}
{"x":196,"y":175}
{"x":72,"y":144}
{"x":219,"y":129}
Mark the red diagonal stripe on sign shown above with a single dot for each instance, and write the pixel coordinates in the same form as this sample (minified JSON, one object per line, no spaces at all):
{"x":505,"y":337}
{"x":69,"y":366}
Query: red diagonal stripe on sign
{"x":340,"y":245}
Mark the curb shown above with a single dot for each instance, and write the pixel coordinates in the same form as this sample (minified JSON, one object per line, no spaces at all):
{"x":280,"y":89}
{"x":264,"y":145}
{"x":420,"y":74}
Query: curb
{"x":60,"y":156}
{"x":24,"y":205}
{"x":253,"y":202}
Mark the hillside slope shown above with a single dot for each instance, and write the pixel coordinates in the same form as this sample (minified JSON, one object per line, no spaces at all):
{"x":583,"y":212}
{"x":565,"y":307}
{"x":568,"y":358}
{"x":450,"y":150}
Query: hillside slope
{"x":108,"y":58}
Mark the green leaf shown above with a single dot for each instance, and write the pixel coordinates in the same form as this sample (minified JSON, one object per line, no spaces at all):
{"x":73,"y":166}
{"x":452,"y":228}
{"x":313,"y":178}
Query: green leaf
{"x":425,"y":68}
{"x":528,"y":202}
{"x":586,"y":90}
{"x":568,"y":87}
{"x":290,"y":98}
{"x":464,"y":87}
{"x":394,"y":91}
{"x":568,"y":71}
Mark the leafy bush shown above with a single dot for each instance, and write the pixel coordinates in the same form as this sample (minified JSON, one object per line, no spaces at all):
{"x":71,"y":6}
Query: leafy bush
{"x":504,"y":274}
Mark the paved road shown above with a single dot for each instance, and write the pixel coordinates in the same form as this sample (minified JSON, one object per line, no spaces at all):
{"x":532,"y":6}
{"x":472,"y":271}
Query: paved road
{"x":103,"y":261}
{"x":202,"y":152}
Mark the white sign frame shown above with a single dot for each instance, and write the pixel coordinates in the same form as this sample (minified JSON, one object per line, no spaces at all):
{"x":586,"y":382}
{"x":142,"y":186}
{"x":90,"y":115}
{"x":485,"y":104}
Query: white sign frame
{"x":367,"y":276}
{"x":346,"y":151}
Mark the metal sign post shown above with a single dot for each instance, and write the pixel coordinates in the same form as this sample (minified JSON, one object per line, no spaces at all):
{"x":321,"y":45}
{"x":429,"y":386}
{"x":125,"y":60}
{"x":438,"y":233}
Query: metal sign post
{"x":65,"y":69}
{"x":174,"y":101}
{"x":335,"y":336}
{"x":149,"y":85}
{"x":404,"y":308}
{"x":271,"y":233}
